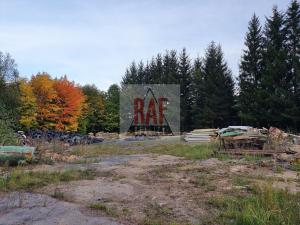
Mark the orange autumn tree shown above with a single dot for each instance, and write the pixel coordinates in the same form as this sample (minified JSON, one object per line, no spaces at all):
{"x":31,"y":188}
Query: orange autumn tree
{"x":43,"y":89}
{"x":70,"y":101}
{"x":49,"y":103}
{"x":28,"y":108}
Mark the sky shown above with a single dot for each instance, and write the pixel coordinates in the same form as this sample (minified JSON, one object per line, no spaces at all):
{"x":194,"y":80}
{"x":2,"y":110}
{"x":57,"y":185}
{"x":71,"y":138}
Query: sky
{"x":94,"y":41}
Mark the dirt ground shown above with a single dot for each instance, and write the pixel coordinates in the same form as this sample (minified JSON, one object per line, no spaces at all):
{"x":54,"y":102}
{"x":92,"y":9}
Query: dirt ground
{"x":142,"y":189}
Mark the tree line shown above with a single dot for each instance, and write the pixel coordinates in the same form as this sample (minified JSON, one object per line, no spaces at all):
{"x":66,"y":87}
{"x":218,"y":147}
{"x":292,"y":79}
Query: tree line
{"x":50,"y":103}
{"x":265,"y":93}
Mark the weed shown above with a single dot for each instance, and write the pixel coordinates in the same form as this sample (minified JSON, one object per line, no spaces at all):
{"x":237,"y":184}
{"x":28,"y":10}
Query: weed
{"x":200,"y":151}
{"x":295,"y":167}
{"x":199,"y":180}
{"x":278,"y":169}
{"x":21,"y":180}
{"x":240,"y":181}
{"x":58,"y":194}
{"x":265,"y":206}
{"x":102,"y":207}
{"x":254,"y":158}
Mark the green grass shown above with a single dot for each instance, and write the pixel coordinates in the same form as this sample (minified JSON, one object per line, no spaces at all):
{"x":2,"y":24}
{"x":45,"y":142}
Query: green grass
{"x":21,"y":180}
{"x":240,"y":181}
{"x":103,"y":149}
{"x":200,"y":151}
{"x":102,"y":207}
{"x":200,"y":180}
{"x":254,"y":158}
{"x":264,"y":206}
{"x":295,"y":167}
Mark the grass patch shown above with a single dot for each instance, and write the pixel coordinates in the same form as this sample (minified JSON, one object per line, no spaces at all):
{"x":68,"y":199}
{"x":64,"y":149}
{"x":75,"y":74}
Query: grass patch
{"x":240,"y":181}
{"x":21,"y":180}
{"x":295,"y":167}
{"x":104,"y":208}
{"x":201,"y":151}
{"x":103,"y":149}
{"x":264,"y":206}
{"x":158,"y":215}
{"x":200,"y":180}
{"x":254,"y":158}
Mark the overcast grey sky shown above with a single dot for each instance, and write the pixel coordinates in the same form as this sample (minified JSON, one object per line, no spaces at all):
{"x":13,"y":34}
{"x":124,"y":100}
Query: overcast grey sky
{"x":94,"y":41}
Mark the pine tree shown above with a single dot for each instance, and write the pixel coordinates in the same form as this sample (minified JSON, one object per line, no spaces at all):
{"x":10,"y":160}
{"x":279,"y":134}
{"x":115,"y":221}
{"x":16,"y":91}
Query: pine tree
{"x":197,"y":93}
{"x":140,"y":73}
{"x":184,"y":80}
{"x":292,"y":26}
{"x":158,"y":69}
{"x":131,"y":75}
{"x":250,"y":74}
{"x":275,"y":83}
{"x":170,"y":68}
{"x":219,"y":89}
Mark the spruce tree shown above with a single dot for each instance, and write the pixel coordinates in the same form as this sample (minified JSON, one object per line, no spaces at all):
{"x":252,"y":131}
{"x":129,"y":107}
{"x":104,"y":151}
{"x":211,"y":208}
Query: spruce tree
{"x":274,"y":94}
{"x":140,"y":73}
{"x":158,"y":72}
{"x":219,"y":89}
{"x":292,"y":26}
{"x":184,"y":80}
{"x":170,"y":68}
{"x":197,"y":93}
{"x":250,"y":74}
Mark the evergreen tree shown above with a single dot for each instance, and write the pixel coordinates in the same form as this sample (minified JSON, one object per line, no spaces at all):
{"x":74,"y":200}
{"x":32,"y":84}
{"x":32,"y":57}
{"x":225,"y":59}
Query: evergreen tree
{"x":218,"y":91}
{"x":170,"y":68}
{"x":197,"y":93}
{"x":140,"y":73}
{"x":275,"y":83}
{"x":184,"y":80}
{"x":131,"y":75}
{"x":250,"y":74}
{"x":292,"y":26}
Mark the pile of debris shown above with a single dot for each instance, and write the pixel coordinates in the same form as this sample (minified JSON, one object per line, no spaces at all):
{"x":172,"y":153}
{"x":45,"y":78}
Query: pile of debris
{"x":71,"y":138}
{"x":201,"y":135}
{"x":248,"y":140}
{"x":242,"y":138}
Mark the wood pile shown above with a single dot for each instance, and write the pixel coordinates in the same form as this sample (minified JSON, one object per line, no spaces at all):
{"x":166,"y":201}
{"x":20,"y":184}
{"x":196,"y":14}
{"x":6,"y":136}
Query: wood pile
{"x":201,"y":135}
{"x":243,"y":140}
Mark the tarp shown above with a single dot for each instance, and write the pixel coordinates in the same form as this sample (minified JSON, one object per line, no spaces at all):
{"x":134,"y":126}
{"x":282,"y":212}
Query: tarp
{"x":17,"y":149}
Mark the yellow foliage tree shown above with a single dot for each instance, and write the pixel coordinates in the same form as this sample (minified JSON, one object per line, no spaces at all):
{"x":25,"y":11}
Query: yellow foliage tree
{"x":28,"y":109}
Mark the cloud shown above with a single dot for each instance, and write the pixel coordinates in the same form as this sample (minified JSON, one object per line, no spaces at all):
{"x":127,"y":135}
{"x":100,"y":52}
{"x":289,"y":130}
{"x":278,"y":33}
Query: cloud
{"x":94,"y":41}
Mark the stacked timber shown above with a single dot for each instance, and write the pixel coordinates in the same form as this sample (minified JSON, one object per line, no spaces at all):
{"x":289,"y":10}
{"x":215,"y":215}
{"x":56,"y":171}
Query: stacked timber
{"x":201,"y":135}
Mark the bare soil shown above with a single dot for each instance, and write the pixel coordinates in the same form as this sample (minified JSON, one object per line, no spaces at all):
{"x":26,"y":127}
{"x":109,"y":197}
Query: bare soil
{"x":143,"y":189}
